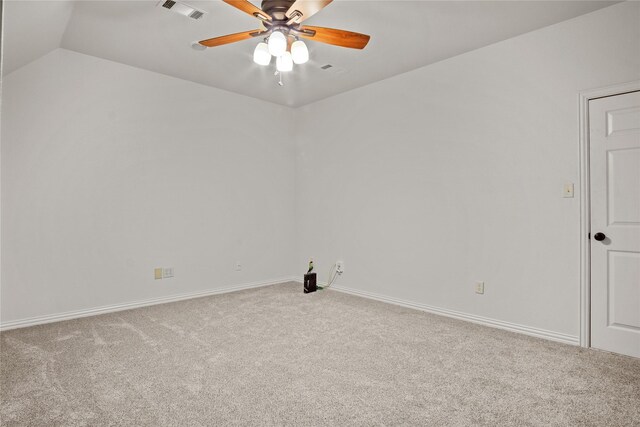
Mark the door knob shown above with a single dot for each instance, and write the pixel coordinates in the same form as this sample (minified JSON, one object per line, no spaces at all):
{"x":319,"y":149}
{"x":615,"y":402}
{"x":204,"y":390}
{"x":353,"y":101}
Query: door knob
{"x":599,"y":237}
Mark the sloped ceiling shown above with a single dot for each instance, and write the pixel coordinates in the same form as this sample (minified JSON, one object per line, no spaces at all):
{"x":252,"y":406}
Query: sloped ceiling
{"x":32,"y":29}
{"x":405,"y":35}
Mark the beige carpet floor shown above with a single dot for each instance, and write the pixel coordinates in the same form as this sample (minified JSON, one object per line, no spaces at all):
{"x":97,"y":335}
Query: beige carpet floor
{"x":274,"y":356}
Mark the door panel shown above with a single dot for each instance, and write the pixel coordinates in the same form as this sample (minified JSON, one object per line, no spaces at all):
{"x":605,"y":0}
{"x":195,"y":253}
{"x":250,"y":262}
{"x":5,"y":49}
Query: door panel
{"x":623,"y":176}
{"x":614,"y":141}
{"x":624,"y":269}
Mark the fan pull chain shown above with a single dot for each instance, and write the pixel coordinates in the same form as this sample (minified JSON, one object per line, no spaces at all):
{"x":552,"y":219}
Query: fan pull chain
{"x":278,"y":73}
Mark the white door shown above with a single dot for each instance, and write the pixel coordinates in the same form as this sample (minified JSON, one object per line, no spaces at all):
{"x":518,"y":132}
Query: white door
{"x":614,"y":141}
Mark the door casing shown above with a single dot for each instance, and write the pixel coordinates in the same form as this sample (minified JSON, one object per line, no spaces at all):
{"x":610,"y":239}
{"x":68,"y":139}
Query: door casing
{"x":585,"y":203}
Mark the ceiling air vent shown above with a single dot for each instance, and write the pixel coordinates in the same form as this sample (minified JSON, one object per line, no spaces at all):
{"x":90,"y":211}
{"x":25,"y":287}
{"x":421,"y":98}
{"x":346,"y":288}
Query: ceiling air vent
{"x":196,"y":14}
{"x":333,"y":69}
{"x":182,"y":9}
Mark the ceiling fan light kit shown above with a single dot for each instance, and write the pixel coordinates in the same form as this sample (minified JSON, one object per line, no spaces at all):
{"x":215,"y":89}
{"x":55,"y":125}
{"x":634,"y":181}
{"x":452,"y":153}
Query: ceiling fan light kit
{"x":277,"y":44}
{"x":261,"y":55}
{"x":281,"y":29}
{"x":299,"y":52}
{"x":284,"y":63}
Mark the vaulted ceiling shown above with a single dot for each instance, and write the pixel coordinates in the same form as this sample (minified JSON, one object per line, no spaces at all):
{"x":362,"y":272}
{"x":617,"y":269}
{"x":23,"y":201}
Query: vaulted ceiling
{"x":404,"y":35}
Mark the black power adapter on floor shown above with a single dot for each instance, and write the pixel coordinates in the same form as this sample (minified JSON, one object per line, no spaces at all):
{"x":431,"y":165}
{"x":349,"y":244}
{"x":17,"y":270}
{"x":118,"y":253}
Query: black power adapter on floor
{"x":310,"y":283}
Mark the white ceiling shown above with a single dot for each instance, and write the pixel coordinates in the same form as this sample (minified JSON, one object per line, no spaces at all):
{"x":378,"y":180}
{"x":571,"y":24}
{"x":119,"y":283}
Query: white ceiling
{"x":404,"y":35}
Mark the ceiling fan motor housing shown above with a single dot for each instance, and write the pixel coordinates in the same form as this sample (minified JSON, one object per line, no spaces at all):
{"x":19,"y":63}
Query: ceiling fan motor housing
{"x":277,"y":9}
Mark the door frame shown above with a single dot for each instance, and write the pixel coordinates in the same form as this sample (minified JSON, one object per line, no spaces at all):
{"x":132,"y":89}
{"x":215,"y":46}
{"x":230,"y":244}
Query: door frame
{"x":585,"y":203}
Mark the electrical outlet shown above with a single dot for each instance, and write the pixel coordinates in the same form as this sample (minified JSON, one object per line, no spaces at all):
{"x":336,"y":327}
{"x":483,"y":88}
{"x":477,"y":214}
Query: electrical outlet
{"x":238,"y":266}
{"x":479,"y":287}
{"x":157,"y":273}
{"x":167,"y":273}
{"x":340,"y":267}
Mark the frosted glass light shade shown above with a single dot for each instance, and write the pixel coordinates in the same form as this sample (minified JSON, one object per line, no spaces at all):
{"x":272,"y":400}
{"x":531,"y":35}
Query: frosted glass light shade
{"x":261,"y":55}
{"x":284,"y":63}
{"x":277,"y":44}
{"x":299,"y":52}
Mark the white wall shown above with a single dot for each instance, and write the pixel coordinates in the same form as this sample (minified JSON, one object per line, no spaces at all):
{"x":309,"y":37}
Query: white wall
{"x":422,"y":183}
{"x":109,"y":171}
{"x":429,"y":181}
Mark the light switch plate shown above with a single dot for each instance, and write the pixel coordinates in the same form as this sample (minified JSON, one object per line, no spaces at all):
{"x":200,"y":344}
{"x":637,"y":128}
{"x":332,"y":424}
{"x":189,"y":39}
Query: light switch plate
{"x":167,"y":273}
{"x":567,"y":191}
{"x":479,"y":287}
{"x":157,"y":273}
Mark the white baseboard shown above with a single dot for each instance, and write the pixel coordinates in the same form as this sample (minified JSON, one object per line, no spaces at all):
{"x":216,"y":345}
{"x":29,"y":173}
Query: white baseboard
{"x":513,"y":327}
{"x":486,"y":321}
{"x":50,"y":318}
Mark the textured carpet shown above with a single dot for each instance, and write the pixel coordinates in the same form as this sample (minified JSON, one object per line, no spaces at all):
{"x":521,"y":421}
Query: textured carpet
{"x":274,"y":356}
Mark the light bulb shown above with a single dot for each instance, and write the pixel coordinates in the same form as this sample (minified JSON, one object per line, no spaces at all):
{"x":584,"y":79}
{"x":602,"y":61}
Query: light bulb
{"x":277,"y":44}
{"x":299,"y":52}
{"x":261,"y":55}
{"x":284,"y":63}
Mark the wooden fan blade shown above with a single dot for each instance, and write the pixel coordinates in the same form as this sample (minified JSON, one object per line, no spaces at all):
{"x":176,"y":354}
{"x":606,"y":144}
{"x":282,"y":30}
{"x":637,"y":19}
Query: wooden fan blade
{"x":304,"y":9}
{"x":247,"y":7}
{"x":231,"y":38}
{"x":335,"y":37}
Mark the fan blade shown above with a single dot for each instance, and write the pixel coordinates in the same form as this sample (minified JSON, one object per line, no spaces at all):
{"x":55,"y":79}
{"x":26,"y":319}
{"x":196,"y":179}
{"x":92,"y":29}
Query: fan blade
{"x":335,"y":37}
{"x":249,"y":8}
{"x":231,"y":38}
{"x":304,"y":9}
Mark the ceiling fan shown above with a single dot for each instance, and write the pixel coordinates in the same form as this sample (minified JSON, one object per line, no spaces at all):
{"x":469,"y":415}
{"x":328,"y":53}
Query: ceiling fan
{"x":281,"y":29}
